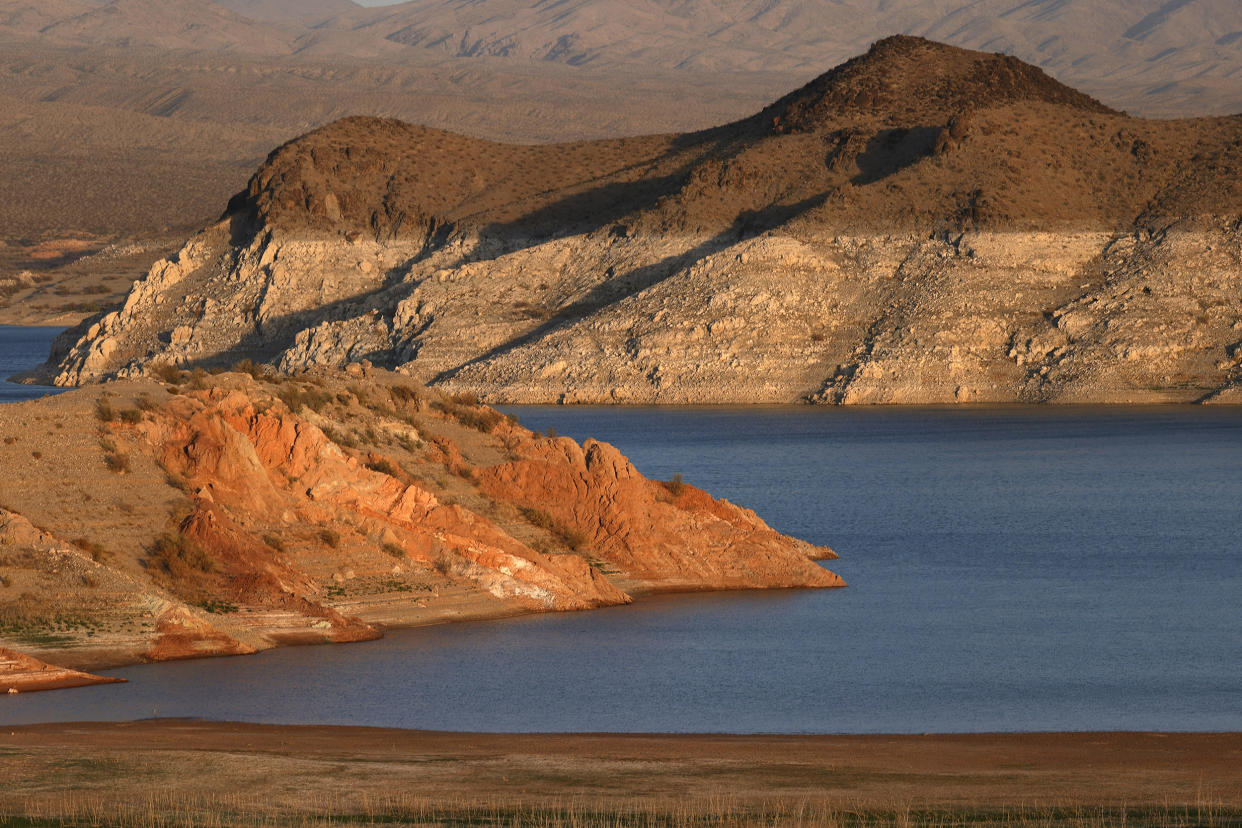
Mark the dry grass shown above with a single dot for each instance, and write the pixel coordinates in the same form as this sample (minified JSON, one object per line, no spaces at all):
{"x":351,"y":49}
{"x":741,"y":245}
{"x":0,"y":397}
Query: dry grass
{"x":159,"y":810}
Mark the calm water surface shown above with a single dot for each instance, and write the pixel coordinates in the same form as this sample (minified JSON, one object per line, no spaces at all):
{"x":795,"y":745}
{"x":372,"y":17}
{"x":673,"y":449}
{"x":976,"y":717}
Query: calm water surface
{"x":1018,"y":569}
{"x":21,"y":349}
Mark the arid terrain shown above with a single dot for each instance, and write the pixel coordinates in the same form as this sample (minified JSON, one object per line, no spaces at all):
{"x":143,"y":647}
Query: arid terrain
{"x":123,"y":122}
{"x":223,"y":514}
{"x":922,"y":224}
{"x":181,"y":773}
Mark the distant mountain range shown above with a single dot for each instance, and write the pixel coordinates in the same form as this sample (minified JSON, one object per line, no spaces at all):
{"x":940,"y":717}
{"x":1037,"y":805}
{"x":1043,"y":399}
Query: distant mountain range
{"x":1162,"y":57}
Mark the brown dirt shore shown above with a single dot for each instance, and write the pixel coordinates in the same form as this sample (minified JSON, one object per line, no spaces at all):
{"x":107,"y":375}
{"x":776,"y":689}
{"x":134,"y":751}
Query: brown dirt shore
{"x":352,"y":770}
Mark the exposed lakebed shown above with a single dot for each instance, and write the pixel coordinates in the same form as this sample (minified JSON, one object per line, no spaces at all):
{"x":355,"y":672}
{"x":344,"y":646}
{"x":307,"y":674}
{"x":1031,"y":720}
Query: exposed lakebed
{"x":1015,"y":569}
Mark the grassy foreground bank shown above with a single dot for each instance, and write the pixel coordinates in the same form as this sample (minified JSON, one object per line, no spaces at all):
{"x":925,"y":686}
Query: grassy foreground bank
{"x":184,"y":773}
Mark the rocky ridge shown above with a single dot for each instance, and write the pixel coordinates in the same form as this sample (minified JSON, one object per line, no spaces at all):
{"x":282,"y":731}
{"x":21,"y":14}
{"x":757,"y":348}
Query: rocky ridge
{"x":212,"y":514}
{"x":923,"y":224}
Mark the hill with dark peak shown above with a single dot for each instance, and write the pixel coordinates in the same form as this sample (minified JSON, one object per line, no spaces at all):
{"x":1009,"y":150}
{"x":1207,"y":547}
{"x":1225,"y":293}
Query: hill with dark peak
{"x":904,"y":78}
{"x":921,"y":224}
{"x":911,"y":134}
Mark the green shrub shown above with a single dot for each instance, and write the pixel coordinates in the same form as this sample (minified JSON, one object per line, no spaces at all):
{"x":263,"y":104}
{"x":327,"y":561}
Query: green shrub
{"x":394,"y":550}
{"x":330,"y":538}
{"x":274,"y":542}
{"x":118,"y":462}
{"x":675,"y":485}
{"x":131,"y":416}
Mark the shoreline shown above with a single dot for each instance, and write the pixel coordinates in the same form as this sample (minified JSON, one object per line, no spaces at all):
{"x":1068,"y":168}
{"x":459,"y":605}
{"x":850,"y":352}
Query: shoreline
{"x":361,"y":767}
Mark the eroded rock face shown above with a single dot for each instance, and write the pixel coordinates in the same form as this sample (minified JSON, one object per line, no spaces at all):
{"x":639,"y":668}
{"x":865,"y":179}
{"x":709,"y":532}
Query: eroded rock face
{"x":922,"y":224}
{"x":984,"y":316}
{"x":280,"y":511}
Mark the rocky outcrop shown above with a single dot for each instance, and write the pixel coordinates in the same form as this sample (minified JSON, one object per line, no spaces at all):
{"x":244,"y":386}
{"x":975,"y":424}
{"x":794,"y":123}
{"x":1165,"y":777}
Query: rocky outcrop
{"x":920,"y":225}
{"x":19,"y":673}
{"x":225,"y":514}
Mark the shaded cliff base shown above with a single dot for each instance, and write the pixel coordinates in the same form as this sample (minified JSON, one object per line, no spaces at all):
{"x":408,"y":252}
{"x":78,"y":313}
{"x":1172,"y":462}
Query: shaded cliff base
{"x":178,"y":772}
{"x":194,"y":514}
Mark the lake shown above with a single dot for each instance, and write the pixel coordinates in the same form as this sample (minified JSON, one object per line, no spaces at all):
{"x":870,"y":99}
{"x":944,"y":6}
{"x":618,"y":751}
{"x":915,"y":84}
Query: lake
{"x":21,"y":349}
{"x":1009,"y":569}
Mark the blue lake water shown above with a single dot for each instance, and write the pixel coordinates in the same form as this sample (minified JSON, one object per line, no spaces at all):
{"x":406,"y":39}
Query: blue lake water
{"x":1009,"y":569}
{"x":21,"y":349}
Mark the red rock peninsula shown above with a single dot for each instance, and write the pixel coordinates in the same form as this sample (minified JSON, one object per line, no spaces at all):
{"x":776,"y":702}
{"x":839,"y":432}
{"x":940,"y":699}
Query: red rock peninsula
{"x":223,"y":514}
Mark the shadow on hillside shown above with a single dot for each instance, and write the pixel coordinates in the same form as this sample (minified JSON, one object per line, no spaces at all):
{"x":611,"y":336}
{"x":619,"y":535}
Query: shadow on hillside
{"x":597,"y":207}
{"x":748,"y":224}
{"x":892,"y":150}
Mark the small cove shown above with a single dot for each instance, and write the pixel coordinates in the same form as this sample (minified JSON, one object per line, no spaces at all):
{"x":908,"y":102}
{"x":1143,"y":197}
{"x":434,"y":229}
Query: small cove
{"x":1009,"y":569}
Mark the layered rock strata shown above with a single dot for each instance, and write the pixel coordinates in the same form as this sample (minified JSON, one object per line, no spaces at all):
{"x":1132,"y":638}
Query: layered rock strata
{"x":922,"y":224}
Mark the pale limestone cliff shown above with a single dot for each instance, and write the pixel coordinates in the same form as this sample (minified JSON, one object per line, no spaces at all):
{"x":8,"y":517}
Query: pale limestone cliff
{"x":983,"y":316}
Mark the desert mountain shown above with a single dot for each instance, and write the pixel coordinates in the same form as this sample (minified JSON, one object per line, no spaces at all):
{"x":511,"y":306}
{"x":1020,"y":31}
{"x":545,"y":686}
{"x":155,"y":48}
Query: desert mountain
{"x":1179,"y":56}
{"x":284,"y":11}
{"x":920,"y":224}
{"x":261,"y":72}
{"x":1144,"y":55}
{"x":221,"y":514}
{"x":180,"y":24}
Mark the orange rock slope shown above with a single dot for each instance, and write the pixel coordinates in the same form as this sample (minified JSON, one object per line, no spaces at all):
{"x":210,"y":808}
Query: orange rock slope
{"x":327,"y":507}
{"x":19,"y":673}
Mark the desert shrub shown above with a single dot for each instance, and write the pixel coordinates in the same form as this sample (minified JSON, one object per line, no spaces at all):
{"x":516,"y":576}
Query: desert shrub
{"x":552,"y":433}
{"x":200,"y":380}
{"x":480,"y":419}
{"x":104,"y":411}
{"x":165,"y":372}
{"x":444,"y":563}
{"x":359,"y":394}
{"x":274,"y":542}
{"x":117,"y":462}
{"x":145,"y":403}
{"x":247,"y":366}
{"x":383,"y":467}
{"x":341,"y":438}
{"x":330,"y":538}
{"x":10,"y":440}
{"x":394,"y":550}
{"x":409,"y":443}
{"x":90,"y":581}
{"x":568,"y":535}
{"x":313,"y":398}
{"x":176,"y":549}
{"x":132,"y":416}
{"x":38,"y":455}
{"x":98,"y":553}
{"x":404,"y":395}
{"x":675,"y":485}
{"x":217,"y":607}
